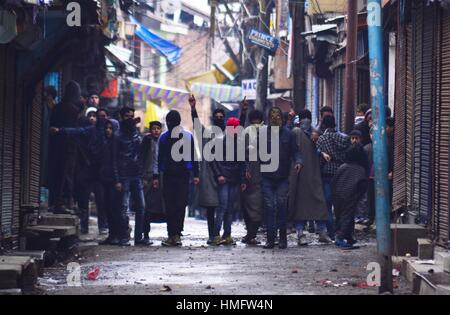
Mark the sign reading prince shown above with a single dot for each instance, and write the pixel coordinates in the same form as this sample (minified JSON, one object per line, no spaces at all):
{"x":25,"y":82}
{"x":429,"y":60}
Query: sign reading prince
{"x":263,"y":40}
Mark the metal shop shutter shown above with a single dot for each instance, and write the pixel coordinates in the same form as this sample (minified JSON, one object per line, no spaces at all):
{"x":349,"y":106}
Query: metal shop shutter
{"x":409,"y":115}
{"x":441,"y":175}
{"x":425,"y":190}
{"x":401,"y":110}
{"x":7,"y":125}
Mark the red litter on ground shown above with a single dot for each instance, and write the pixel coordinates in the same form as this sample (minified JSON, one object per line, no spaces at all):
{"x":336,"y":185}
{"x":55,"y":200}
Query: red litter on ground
{"x":93,"y":275}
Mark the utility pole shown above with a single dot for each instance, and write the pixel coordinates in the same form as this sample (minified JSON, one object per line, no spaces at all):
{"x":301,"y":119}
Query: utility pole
{"x":262,"y":76}
{"x":297,"y":9}
{"x":380,"y":156}
{"x":351,"y":73}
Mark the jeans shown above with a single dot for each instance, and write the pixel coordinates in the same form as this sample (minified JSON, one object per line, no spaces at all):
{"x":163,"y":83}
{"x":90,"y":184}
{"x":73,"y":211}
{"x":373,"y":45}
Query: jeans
{"x":175,"y":194}
{"x":321,"y":226}
{"x":224,"y":212}
{"x":133,"y":187}
{"x":275,"y":195}
{"x":327,"y":190}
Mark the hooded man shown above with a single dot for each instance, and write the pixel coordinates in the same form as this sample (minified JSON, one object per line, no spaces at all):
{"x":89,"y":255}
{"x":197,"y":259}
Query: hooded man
{"x":90,"y":140}
{"x":306,"y":198}
{"x":175,"y":175}
{"x":63,"y":150}
{"x":109,"y":178}
{"x":130,"y":169}
{"x":275,"y":184}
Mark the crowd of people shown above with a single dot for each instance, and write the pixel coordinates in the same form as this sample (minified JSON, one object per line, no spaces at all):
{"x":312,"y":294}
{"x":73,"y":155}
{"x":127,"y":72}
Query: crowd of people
{"x":323,"y":181}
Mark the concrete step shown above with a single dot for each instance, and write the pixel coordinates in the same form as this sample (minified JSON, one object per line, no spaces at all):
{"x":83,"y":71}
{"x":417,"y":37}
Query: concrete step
{"x":404,"y":238}
{"x":17,"y":272}
{"x":58,"y":220}
{"x":37,"y":256}
{"x":52,"y":231}
{"x":427,"y":276}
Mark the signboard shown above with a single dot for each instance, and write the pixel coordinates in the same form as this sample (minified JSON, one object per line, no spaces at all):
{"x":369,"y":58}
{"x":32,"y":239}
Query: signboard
{"x":263,"y":40}
{"x":249,"y":89}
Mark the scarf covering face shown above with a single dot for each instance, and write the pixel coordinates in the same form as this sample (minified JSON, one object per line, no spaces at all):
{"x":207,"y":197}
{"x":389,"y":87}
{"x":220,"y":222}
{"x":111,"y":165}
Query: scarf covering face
{"x":275,"y":117}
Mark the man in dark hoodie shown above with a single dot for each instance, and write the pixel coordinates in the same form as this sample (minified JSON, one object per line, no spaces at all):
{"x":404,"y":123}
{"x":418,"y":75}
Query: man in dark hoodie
{"x":175,"y":176}
{"x":63,"y":150}
{"x":130,"y":170}
{"x":109,"y":178}
{"x":90,"y":140}
{"x":275,"y":184}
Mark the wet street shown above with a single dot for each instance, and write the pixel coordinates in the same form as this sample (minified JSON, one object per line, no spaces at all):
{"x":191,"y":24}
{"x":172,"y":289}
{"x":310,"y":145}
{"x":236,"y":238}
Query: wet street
{"x":197,"y":269}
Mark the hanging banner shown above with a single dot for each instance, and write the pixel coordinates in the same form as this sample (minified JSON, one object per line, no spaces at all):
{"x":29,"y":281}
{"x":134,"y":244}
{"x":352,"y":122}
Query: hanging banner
{"x":263,"y":40}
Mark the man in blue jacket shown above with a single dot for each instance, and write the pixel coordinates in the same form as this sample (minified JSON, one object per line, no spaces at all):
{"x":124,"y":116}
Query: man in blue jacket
{"x":175,"y":176}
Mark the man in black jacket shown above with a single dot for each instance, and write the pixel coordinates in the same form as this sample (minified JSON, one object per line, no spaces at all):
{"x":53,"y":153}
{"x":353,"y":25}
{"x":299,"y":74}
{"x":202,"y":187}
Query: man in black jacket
{"x":130,"y":170}
{"x":275,"y":184}
{"x":175,"y":176}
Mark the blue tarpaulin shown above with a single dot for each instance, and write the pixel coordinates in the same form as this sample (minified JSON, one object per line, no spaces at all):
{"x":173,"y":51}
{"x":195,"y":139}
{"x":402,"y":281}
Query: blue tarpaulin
{"x":171,"y":51}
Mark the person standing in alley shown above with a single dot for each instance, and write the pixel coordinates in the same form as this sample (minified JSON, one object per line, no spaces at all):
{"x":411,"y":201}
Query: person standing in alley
{"x":208,"y":196}
{"x":112,"y":192}
{"x":63,"y":150}
{"x":275,"y":184}
{"x":153,"y":198}
{"x":252,"y":199}
{"x":331,"y":146}
{"x":229,"y":175}
{"x":348,"y":186}
{"x":306,"y":197}
{"x":129,"y":168}
{"x":324,"y":112}
{"x":175,"y":176}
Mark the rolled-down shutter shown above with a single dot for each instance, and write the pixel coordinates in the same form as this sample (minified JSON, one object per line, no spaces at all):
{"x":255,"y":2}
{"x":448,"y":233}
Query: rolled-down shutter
{"x":401,"y":111}
{"x":7,"y":143}
{"x":441,"y":207}
{"x":428,"y":79}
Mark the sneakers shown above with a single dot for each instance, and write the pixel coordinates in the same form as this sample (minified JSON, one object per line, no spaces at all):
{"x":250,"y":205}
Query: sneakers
{"x":228,"y":241}
{"x":250,"y":241}
{"x":324,"y":238}
{"x":124,"y":242}
{"x":103,"y":232}
{"x":301,"y":240}
{"x":269,"y":245}
{"x":343,"y":244}
{"x":172,"y":242}
{"x":143,"y":242}
{"x":109,"y":241}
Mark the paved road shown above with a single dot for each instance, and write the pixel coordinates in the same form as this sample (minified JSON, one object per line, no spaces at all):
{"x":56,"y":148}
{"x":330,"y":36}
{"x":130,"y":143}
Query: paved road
{"x":199,"y":269}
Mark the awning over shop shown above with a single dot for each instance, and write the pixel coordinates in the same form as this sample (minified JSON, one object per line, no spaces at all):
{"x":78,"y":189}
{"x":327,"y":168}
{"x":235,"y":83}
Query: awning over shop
{"x":218,"y":92}
{"x":122,"y":56}
{"x":146,"y":90}
{"x":168,"y":49}
{"x":213,"y":76}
